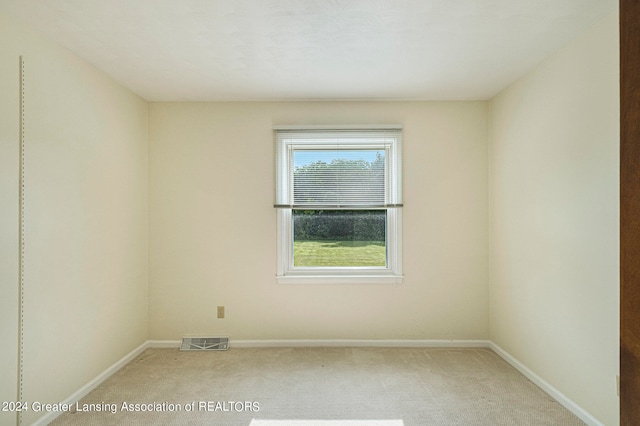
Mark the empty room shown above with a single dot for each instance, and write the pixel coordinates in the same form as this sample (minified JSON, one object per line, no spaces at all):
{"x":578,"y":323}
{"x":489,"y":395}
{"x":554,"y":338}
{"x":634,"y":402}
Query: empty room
{"x":310,"y":212}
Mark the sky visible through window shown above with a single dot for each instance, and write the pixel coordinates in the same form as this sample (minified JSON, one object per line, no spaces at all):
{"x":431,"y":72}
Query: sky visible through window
{"x":305,"y":157}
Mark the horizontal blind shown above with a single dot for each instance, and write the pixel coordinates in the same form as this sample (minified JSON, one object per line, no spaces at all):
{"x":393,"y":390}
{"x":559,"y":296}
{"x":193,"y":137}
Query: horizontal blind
{"x":320,"y":168}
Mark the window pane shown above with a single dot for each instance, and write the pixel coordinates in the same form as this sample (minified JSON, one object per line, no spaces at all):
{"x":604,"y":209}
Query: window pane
{"x":339,"y":238}
{"x":339,"y":177}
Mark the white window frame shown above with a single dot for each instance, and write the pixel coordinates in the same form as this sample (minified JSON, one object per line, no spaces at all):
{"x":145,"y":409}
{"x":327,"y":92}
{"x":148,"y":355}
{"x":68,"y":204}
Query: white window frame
{"x":287,"y":273}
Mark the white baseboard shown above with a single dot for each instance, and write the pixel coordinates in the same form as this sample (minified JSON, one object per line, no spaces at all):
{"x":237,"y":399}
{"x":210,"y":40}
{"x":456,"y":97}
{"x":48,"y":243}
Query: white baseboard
{"x":164,"y":343}
{"x":300,"y":343}
{"x":83,"y":391}
{"x":580,"y":412}
{"x":312,"y":343}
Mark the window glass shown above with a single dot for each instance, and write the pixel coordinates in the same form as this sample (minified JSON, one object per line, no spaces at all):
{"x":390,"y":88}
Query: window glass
{"x":326,"y":238}
{"x":348,"y":176}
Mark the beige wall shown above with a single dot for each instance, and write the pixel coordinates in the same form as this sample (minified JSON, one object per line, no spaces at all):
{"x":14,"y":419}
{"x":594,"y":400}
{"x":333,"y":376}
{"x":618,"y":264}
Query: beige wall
{"x":86,"y":281}
{"x":213,"y":225}
{"x":554,"y":222}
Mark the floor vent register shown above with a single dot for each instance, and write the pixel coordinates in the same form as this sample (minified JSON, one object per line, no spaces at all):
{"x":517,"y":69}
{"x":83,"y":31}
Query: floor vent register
{"x":210,"y":343}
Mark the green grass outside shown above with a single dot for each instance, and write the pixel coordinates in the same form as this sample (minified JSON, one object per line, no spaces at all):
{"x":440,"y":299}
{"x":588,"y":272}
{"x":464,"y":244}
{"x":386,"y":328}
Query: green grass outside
{"x":339,"y":253}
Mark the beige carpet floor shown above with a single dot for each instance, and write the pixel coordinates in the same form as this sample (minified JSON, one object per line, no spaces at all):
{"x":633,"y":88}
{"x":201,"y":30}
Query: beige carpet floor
{"x":319,"y":387}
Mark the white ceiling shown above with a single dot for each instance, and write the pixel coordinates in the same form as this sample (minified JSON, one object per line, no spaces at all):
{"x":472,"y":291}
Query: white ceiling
{"x":196,"y":50}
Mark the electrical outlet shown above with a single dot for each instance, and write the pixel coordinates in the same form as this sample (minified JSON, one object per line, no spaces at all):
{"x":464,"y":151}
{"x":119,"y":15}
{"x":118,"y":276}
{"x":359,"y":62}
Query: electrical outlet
{"x":220,"y":311}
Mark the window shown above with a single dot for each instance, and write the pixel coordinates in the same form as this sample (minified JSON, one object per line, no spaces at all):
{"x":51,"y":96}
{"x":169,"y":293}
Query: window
{"x":339,"y":202}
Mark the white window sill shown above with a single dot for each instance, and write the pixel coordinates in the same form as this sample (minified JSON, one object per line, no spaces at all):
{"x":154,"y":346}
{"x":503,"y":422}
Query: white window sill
{"x":339,"y":279}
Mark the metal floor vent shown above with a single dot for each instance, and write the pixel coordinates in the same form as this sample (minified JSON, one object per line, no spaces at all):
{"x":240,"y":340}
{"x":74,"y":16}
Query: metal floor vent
{"x":204,"y":344}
